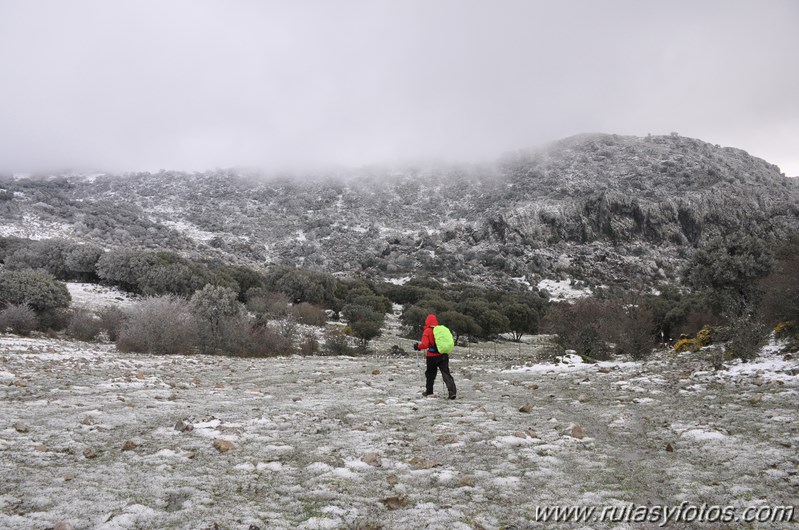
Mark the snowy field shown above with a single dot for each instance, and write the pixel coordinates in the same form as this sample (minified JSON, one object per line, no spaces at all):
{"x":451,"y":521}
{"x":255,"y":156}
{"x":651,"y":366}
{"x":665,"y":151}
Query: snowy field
{"x":94,"y":296}
{"x":91,"y":438}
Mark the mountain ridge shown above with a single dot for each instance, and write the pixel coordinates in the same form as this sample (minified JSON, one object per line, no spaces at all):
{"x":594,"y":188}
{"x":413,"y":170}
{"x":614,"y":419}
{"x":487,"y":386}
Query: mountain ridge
{"x":599,"y":208}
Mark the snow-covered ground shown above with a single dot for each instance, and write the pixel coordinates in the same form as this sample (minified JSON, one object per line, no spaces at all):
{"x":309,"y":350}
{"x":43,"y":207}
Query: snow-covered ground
{"x":34,"y":227}
{"x":563,"y":290}
{"x":99,"y":439}
{"x":95,"y":296}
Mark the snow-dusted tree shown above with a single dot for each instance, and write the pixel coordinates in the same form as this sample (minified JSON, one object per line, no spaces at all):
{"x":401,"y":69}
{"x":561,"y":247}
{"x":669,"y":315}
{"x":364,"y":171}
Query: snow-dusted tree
{"x":81,"y":262}
{"x":215,"y":308}
{"x":730,"y":267}
{"x":39,"y":289}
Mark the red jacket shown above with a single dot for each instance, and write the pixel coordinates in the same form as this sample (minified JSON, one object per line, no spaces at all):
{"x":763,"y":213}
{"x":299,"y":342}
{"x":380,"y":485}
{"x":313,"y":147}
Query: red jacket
{"x":428,"y":341}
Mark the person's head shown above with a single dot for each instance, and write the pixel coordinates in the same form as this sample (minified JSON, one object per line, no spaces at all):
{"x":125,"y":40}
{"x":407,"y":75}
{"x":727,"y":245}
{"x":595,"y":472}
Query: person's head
{"x":430,"y":321}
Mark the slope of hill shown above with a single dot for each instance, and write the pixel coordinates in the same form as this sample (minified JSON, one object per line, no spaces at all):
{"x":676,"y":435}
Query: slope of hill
{"x":599,"y":208}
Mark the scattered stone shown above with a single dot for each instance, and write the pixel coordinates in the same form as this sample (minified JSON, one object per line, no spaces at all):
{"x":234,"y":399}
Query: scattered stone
{"x":184,"y":426}
{"x":69,"y":476}
{"x":219,"y":386}
{"x":139,"y":375}
{"x":20,"y":427}
{"x":130,"y":405}
{"x":88,"y":420}
{"x":576,"y":431}
{"x":296,"y":398}
{"x":89,"y":453}
{"x":466,"y":481}
{"x":757,"y":398}
{"x":532,"y":386}
{"x":40,"y":448}
{"x":520,"y":434}
{"x":526,"y":408}
{"x":62,"y":525}
{"x":603,"y":370}
{"x":447,"y":439}
{"x":373,"y":459}
{"x":376,"y":372}
{"x":223,"y":446}
{"x":531,"y":433}
{"x":669,"y":447}
{"x":196,"y":381}
{"x":392,"y":480}
{"x":758,"y":381}
{"x":582,"y":398}
{"x":423,"y":463}
{"x":394,"y":503}
{"x":129,"y":446}
{"x":19,"y":383}
{"x":190,"y":455}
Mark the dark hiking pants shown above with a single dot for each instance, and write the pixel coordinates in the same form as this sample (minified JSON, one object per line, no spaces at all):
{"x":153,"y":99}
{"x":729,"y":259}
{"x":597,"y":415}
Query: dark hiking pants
{"x":434,"y":364}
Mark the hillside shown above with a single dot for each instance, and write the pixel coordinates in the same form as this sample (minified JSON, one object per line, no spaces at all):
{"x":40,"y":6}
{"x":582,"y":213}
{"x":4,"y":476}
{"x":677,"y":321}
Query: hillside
{"x":600,"y":208}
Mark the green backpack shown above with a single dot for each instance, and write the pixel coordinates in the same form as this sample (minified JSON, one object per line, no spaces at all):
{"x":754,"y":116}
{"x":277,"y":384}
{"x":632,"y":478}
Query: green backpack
{"x":444,"y":340}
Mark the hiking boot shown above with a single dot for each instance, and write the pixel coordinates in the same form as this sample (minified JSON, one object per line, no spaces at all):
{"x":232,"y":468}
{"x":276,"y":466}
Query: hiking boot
{"x":427,"y":394}
{"x":452,"y":396}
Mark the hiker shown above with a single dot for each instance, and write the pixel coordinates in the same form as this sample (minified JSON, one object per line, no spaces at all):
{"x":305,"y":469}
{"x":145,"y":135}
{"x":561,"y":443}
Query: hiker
{"x":435,"y":360}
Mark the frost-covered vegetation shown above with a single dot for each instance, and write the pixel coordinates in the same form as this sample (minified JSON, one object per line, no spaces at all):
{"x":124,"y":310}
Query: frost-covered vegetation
{"x":735,"y":284}
{"x":602,"y":209}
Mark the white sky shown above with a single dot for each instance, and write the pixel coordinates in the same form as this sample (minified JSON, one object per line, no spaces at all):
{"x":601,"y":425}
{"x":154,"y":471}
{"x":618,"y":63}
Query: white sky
{"x":198,"y":84}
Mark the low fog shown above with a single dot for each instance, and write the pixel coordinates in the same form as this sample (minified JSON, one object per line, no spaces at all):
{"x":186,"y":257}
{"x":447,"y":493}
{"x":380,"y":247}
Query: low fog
{"x":197,"y":84}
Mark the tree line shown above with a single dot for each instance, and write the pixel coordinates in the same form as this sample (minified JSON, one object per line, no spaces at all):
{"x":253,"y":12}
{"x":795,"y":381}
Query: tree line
{"x":735,"y":284}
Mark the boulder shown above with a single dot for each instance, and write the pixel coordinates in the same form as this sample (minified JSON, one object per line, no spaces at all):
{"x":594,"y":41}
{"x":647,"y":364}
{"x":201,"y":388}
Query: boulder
{"x":223,"y":446}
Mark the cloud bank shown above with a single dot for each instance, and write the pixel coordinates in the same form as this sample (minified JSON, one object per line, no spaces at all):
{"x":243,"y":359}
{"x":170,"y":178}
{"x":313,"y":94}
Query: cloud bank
{"x":198,"y":84}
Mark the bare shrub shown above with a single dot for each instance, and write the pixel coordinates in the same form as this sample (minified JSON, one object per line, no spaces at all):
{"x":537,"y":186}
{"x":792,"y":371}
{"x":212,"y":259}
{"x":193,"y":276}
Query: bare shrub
{"x":337,"y":343}
{"x":696,"y":320}
{"x":274,"y":305}
{"x":19,"y":318}
{"x":309,"y":314}
{"x":287,"y":327}
{"x":54,"y":319}
{"x":162,"y":324}
{"x":586,"y":326}
{"x":112,"y":318}
{"x":235,"y":335}
{"x":745,"y":337}
{"x":266,"y":341}
{"x":84,"y":325}
{"x":635,"y":332}
{"x":309,"y":345}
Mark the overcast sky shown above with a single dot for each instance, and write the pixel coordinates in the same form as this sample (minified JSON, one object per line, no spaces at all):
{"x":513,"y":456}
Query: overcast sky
{"x":197,"y":84}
